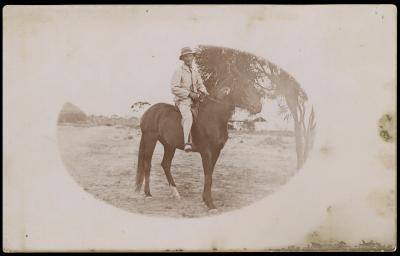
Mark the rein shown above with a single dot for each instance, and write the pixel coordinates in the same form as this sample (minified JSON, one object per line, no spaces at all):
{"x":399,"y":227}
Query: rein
{"x":219,"y":101}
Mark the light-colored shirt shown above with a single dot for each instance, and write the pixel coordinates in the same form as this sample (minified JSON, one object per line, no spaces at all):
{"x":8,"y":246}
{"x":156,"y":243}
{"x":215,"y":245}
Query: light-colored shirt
{"x":182,"y":82}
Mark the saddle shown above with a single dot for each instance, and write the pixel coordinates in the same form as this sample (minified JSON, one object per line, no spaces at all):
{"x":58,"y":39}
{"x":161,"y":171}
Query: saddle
{"x":194,"y":109}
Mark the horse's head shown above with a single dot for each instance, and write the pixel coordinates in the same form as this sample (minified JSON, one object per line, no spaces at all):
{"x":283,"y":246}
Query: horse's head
{"x":241,"y":95}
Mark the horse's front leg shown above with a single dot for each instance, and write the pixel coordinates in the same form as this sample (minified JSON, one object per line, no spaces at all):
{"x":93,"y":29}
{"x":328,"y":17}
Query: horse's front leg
{"x":208,"y":166}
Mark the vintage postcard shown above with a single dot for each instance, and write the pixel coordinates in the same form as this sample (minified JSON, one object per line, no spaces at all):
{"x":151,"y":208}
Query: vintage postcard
{"x":199,"y":128}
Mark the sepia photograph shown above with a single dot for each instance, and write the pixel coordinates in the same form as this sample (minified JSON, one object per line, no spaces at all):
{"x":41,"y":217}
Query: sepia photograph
{"x":181,"y":128}
{"x":217,"y":103}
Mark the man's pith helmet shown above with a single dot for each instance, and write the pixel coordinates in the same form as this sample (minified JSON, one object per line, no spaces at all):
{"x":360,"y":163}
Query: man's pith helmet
{"x":186,"y":50}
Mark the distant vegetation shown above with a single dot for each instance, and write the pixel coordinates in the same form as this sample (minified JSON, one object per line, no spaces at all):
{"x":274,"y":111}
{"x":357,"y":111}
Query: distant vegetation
{"x":73,"y":115}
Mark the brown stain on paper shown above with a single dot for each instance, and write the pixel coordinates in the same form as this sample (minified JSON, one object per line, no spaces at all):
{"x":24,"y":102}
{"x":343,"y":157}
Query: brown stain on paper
{"x":254,"y":19}
{"x":271,"y":14}
{"x":383,"y":202}
{"x":323,"y":238}
{"x":388,"y":160}
{"x":387,"y":127}
{"x":325,"y":150}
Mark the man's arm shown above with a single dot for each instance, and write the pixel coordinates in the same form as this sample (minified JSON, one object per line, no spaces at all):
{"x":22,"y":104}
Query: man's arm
{"x":176,"y":88}
{"x":200,"y":85}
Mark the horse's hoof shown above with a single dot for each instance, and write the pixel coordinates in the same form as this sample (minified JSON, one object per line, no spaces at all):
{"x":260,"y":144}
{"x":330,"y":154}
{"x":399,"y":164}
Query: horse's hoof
{"x":137,"y":190}
{"x":213,"y":211}
{"x":148,"y":198}
{"x":175,"y":193}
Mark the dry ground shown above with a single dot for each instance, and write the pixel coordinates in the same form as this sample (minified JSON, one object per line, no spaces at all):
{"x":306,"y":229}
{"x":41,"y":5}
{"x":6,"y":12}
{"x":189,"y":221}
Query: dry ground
{"x":103,"y":161}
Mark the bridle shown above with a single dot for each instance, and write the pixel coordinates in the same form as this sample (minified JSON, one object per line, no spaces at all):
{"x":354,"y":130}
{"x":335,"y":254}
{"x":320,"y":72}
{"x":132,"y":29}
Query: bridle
{"x":224,"y":102}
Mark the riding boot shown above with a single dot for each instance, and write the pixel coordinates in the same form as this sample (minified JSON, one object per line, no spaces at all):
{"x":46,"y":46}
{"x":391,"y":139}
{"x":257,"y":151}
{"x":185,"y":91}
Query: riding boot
{"x":187,"y":120}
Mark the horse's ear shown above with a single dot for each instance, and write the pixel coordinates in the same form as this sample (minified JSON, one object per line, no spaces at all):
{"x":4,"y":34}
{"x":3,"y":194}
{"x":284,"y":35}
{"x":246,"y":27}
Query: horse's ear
{"x":225,"y":90}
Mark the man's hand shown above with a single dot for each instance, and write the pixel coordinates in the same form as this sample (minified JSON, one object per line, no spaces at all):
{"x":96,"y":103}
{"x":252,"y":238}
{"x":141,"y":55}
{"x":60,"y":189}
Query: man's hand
{"x":194,"y":96}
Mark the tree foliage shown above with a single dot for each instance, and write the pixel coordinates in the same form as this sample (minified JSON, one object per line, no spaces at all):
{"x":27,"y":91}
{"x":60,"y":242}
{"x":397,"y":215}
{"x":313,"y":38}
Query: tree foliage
{"x":215,"y":64}
{"x":140,"y":105}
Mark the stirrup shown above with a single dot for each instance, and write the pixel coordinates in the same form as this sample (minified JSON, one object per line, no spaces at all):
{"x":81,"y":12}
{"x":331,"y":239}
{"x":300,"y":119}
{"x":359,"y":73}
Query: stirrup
{"x":188,"y":147}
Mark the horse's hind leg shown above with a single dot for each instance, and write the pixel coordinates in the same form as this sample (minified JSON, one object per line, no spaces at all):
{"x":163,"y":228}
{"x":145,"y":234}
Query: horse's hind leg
{"x":148,"y":154}
{"x":169,"y":153}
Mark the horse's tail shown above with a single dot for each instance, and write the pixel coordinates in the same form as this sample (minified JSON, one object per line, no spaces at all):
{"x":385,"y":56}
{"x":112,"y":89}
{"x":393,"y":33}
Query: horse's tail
{"x":140,"y":166}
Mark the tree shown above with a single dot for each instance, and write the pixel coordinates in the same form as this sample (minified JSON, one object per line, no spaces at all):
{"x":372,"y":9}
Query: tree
{"x":70,"y":113}
{"x":283,"y":84}
{"x":139,"y":106}
{"x":216,"y":64}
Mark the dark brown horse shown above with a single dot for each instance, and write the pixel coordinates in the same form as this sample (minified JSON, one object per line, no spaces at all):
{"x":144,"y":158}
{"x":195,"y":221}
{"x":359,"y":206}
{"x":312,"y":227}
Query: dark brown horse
{"x":162,"y":122}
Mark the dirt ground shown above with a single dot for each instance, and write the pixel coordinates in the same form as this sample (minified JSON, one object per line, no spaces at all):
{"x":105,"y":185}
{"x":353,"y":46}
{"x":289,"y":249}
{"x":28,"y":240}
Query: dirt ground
{"x":103,"y":161}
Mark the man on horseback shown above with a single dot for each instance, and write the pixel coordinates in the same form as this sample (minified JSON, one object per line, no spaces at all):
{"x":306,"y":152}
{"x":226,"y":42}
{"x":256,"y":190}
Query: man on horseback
{"x":187,"y":85}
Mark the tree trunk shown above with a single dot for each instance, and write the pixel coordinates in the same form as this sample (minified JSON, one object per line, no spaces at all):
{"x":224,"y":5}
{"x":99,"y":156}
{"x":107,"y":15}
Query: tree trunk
{"x":309,"y":134}
{"x":292,"y":102}
{"x":298,"y":131}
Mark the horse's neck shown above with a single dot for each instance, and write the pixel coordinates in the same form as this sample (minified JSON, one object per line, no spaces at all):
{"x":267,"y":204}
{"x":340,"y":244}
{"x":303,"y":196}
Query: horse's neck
{"x":221,"y":111}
